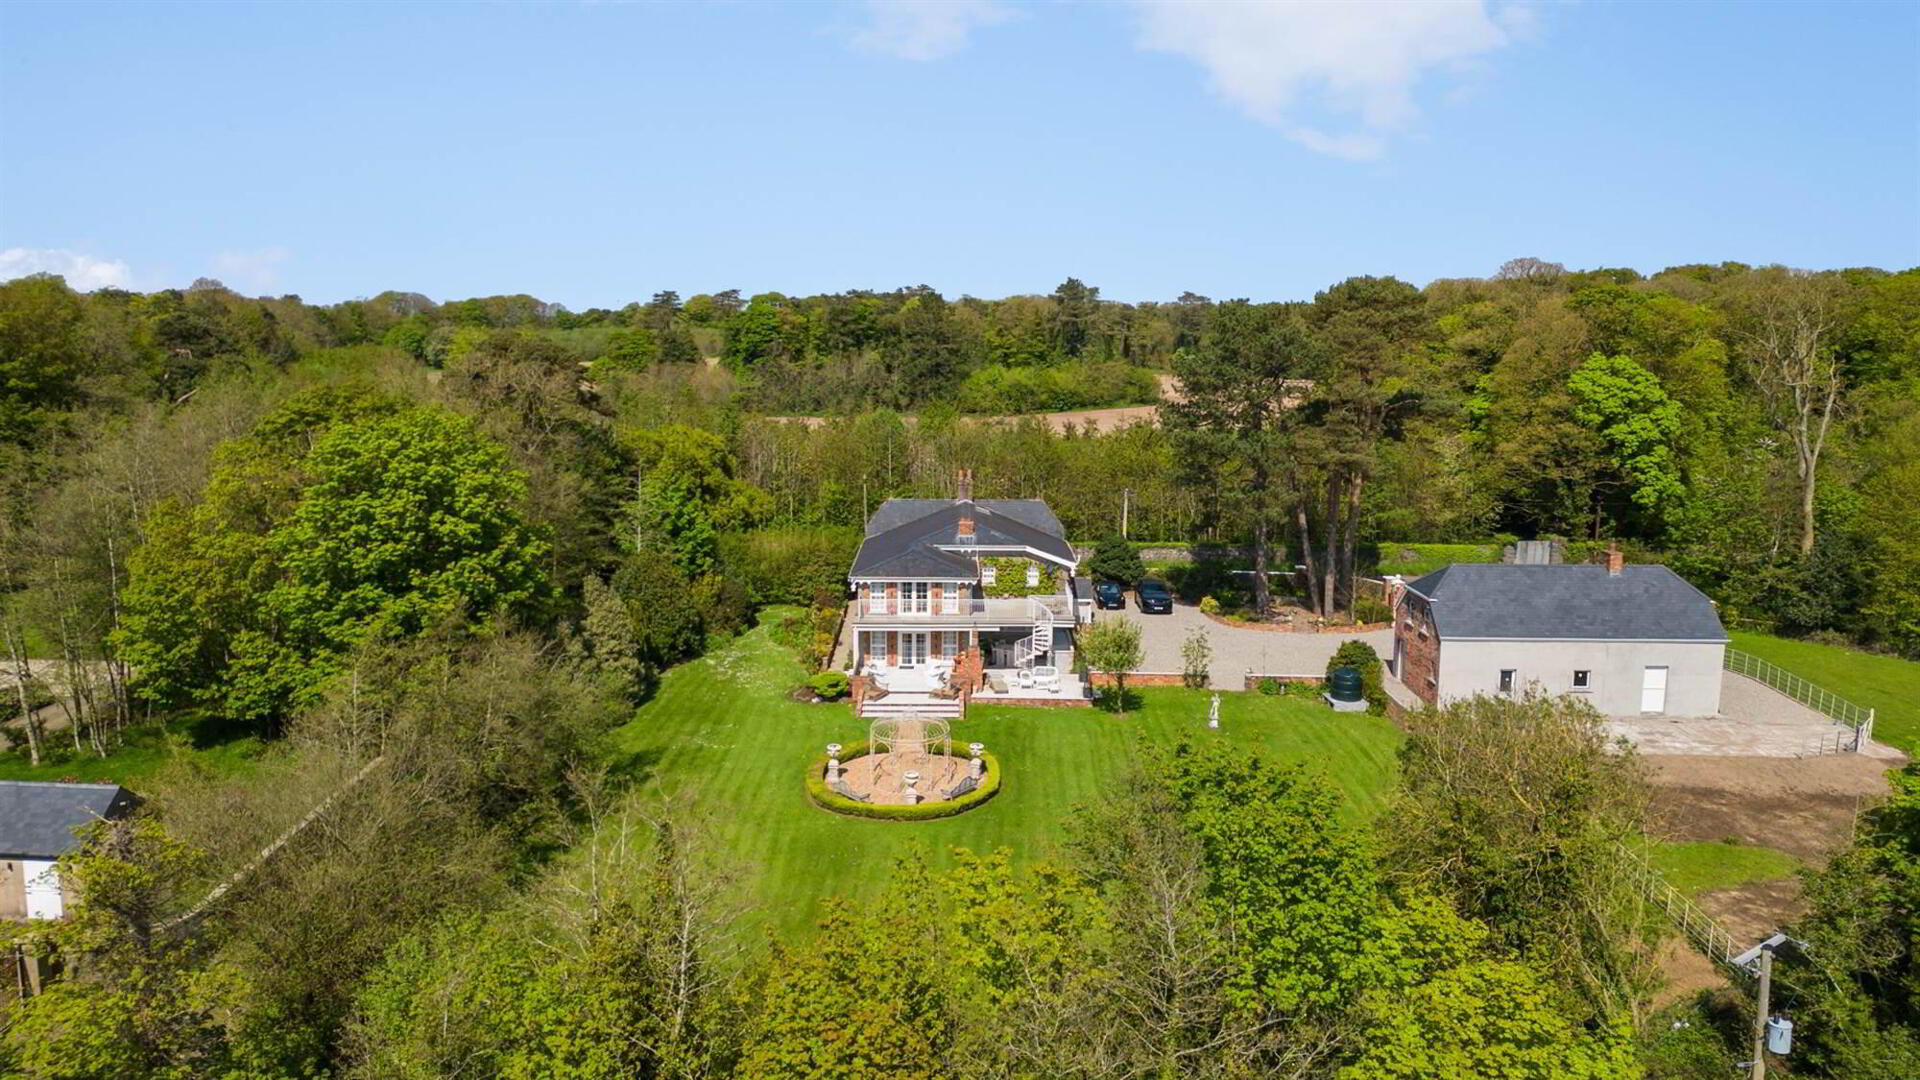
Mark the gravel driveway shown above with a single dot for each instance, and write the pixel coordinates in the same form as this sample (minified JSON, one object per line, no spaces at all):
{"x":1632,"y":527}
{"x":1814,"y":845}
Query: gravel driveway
{"x":1237,"y":650}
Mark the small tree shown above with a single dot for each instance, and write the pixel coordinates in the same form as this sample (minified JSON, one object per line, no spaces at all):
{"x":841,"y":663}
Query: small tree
{"x":1116,"y":560}
{"x":1360,"y":656}
{"x":1113,"y":646}
{"x":1196,"y":659}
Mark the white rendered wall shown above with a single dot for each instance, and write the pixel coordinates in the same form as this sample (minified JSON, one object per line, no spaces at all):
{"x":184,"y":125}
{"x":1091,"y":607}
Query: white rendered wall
{"x":43,"y":889}
{"x":1617,"y":669}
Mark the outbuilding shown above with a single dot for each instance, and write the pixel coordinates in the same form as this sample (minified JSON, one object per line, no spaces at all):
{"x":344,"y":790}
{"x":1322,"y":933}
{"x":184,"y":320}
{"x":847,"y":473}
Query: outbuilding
{"x":1631,"y":640}
{"x":39,"y":822}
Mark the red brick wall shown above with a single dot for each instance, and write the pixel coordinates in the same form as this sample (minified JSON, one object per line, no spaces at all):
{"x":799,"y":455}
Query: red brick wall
{"x":1148,"y":678}
{"x":1418,"y":646}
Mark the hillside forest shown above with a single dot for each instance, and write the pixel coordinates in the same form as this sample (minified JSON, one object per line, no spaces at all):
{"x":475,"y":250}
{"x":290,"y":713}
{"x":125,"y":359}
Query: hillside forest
{"x":431,"y":553}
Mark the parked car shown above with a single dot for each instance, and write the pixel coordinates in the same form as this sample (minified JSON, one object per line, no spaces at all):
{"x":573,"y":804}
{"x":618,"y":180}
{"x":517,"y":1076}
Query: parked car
{"x":1155,"y":597}
{"x":1110,"y":594}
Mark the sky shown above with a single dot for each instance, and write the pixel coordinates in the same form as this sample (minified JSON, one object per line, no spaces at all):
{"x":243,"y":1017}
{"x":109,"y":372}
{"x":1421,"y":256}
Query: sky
{"x":594,"y":153}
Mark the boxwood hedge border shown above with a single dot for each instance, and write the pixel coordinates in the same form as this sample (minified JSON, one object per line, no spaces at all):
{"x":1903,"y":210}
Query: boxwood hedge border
{"x":830,"y":800}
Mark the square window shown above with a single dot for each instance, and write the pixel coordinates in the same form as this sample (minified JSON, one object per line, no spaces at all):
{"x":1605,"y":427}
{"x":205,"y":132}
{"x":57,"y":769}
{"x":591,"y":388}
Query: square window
{"x":1506,"y":680}
{"x":1582,"y":680}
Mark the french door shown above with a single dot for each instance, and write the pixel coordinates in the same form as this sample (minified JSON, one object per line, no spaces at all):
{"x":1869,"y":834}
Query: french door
{"x":913,"y":648}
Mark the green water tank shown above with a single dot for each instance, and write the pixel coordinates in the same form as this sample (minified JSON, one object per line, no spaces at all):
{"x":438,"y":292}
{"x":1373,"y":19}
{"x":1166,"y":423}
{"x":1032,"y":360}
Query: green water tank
{"x":1345,"y":684}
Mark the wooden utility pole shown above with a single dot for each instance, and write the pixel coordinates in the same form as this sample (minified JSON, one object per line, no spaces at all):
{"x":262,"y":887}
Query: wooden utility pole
{"x":1760,"y":1015}
{"x":1126,"y":505}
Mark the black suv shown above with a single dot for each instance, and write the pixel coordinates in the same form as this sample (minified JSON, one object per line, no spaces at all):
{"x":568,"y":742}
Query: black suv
{"x":1155,"y":597}
{"x":1110,"y":595}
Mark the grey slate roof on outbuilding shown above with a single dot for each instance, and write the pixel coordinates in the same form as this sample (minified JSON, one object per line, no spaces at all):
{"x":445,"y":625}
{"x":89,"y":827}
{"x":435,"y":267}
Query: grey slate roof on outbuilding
{"x":911,"y":547}
{"x":1572,"y":602}
{"x":38,"y":818}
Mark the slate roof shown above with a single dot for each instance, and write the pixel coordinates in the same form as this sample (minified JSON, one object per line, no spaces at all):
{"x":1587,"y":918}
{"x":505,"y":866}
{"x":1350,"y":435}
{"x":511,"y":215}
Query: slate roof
{"x":1031,"y":512}
{"x":1573,"y":602}
{"x":911,"y":545}
{"x":37,"y":818}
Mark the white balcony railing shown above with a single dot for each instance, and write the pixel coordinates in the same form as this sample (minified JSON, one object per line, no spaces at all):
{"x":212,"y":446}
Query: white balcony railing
{"x":1008,"y":609}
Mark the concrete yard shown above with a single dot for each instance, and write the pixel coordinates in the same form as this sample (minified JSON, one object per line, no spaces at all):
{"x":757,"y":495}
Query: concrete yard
{"x":1755,"y":721}
{"x":1237,"y":650}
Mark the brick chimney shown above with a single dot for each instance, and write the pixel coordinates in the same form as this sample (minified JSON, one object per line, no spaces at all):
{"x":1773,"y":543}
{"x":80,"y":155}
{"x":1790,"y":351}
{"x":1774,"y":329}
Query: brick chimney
{"x":963,"y":485}
{"x":965,"y":531}
{"x":1616,"y":560}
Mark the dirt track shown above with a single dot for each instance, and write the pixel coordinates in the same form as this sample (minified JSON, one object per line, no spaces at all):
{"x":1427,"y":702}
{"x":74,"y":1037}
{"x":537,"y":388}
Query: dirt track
{"x":1083,"y":419}
{"x":1805,"y":806}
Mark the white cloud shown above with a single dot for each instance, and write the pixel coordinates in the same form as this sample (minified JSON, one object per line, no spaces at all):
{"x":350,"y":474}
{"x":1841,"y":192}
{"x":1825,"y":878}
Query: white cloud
{"x":255,"y":272}
{"x":83,"y":272}
{"x":926,"y":29}
{"x":1278,"y":61}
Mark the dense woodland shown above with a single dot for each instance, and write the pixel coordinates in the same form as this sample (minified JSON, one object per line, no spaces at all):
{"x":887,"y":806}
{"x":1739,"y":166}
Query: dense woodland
{"x":429,"y":552}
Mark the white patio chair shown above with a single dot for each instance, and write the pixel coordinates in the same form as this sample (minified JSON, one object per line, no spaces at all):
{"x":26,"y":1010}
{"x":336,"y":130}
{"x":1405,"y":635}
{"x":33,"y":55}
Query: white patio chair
{"x":1023,"y":679}
{"x":1047,"y":678}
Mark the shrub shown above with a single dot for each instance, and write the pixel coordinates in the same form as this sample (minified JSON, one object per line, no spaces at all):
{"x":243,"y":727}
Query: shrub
{"x":1209,"y":606}
{"x":828,"y":799}
{"x":1369,"y":610}
{"x":1114,"y":559}
{"x":831,"y":685}
{"x":1360,"y":656}
{"x":1272,"y":687}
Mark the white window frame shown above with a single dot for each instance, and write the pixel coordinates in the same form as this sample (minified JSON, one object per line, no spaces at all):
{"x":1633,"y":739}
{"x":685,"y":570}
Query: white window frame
{"x":1509,"y":679}
{"x":1582,"y":680}
{"x":916,"y":597}
{"x":989,"y":573}
{"x":1033,"y":575}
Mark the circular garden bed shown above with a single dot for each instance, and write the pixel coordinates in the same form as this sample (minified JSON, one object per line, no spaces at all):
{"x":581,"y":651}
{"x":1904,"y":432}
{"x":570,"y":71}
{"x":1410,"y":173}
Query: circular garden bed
{"x":826,"y":798}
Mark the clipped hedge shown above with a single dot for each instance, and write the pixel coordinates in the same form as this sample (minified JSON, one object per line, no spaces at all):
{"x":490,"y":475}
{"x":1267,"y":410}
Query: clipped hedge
{"x":826,"y":798}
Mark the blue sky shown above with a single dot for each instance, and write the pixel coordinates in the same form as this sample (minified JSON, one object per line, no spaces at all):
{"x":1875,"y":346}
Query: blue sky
{"x":594,"y":153}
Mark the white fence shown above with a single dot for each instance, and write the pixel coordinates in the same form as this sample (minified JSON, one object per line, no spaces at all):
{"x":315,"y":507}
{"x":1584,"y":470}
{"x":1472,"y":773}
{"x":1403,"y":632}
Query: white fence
{"x":1819,"y":699}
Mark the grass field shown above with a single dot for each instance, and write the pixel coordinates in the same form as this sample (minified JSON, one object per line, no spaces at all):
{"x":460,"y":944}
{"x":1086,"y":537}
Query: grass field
{"x":146,"y":751}
{"x":1887,"y":684}
{"x":1695,"y":868}
{"x":721,"y":727}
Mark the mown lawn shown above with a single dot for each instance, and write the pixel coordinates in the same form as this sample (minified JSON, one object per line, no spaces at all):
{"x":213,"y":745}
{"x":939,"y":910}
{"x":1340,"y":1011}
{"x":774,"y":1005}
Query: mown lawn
{"x":1695,"y":868}
{"x":721,"y":728}
{"x":1887,"y":684}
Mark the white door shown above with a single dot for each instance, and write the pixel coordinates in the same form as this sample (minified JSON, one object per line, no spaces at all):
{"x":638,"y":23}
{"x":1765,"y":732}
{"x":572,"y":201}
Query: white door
{"x":913,"y":648}
{"x":1653,"y":691}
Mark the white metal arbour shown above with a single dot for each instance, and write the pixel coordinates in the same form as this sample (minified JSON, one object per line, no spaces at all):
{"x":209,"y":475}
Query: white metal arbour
{"x":1818,"y":698}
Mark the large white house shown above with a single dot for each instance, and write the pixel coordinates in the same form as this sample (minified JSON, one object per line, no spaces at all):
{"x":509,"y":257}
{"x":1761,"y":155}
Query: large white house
{"x":1632,"y":640}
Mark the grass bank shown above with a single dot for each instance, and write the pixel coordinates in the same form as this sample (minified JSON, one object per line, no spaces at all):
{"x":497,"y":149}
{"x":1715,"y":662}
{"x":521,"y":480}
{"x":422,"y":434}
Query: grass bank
{"x":1886,"y":684}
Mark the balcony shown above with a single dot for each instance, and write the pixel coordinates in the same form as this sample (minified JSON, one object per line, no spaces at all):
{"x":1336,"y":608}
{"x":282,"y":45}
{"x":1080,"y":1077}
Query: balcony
{"x":960,"y":611}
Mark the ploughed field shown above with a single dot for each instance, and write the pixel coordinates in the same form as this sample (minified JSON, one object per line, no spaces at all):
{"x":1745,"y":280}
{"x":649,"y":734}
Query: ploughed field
{"x":722,"y":731}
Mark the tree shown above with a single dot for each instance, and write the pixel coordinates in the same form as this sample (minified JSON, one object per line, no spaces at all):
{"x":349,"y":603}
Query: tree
{"x":1196,"y":659}
{"x":1113,"y":646}
{"x":392,"y":523}
{"x":1627,"y":407}
{"x":1235,"y":423}
{"x":1522,"y":814}
{"x":1114,"y":559}
{"x":1859,"y":980}
{"x":1486,"y":1020}
{"x":1373,"y":331}
{"x":1786,"y":325}
{"x":42,"y":352}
